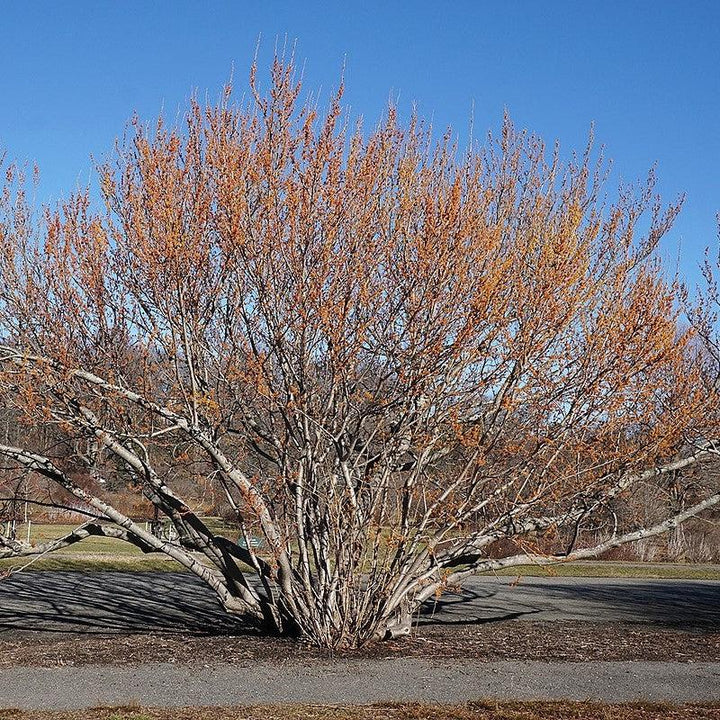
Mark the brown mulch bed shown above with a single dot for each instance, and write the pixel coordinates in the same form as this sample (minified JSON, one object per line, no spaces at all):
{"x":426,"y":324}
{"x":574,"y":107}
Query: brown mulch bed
{"x":471,"y":711}
{"x":573,"y":641}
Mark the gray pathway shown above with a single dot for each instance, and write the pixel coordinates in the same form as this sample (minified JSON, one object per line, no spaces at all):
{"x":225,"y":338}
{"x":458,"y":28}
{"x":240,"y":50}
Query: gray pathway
{"x":177,"y":602}
{"x":120,"y":602}
{"x":355,"y":682}
{"x":681,"y":604}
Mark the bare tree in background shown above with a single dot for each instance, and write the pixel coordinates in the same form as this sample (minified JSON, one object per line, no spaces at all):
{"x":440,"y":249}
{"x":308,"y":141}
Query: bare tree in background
{"x":387,"y":354}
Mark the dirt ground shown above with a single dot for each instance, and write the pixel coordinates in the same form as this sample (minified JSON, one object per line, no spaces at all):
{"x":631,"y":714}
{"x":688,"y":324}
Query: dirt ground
{"x":574,"y":641}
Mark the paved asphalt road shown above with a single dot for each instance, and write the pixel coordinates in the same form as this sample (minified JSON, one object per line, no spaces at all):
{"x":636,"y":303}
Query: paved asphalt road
{"x":177,"y":602}
{"x":116,"y":602}
{"x":356,"y":682}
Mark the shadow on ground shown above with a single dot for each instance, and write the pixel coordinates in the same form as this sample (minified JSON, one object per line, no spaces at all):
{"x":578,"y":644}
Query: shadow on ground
{"x":475,"y":606}
{"x":114,"y":602}
{"x":690,"y":605}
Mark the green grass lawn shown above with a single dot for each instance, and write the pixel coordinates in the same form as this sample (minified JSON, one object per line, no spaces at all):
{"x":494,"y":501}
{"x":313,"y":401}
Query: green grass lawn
{"x":617,"y":569}
{"x":97,"y":554}
{"x":91,"y":554}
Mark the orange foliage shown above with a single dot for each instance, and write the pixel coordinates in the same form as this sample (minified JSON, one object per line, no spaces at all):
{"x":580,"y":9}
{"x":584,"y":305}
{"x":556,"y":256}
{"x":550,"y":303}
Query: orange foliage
{"x":360,"y":328}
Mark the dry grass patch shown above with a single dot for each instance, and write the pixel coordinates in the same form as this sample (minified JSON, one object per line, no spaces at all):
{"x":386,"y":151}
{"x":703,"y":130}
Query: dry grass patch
{"x":487,"y":710}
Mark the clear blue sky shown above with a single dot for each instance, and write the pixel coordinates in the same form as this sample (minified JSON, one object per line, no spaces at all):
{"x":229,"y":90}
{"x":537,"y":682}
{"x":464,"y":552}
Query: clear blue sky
{"x":647,"y":73}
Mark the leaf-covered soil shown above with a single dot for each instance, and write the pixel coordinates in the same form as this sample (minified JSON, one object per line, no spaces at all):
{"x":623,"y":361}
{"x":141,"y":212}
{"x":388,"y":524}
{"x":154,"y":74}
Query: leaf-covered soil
{"x":573,"y":641}
{"x":471,"y":711}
